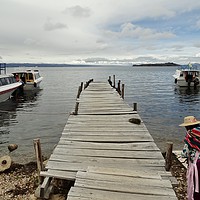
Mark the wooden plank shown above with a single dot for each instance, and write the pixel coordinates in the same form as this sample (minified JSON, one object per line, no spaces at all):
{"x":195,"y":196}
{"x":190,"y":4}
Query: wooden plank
{"x":139,"y":146}
{"x":139,"y":173}
{"x":99,"y":118}
{"x":61,"y":174}
{"x":108,"y":138}
{"x":109,"y":153}
{"x":105,"y":160}
{"x":132,"y":181}
{"x":125,"y":187}
{"x":74,"y":164}
{"x":95,"y":194}
{"x":129,"y":130}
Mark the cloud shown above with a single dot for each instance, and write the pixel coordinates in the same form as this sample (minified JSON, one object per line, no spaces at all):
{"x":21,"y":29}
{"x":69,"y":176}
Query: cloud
{"x":50,"y":26}
{"x":198,"y":24}
{"x":129,"y":30}
{"x":78,"y":11}
{"x":67,"y":31}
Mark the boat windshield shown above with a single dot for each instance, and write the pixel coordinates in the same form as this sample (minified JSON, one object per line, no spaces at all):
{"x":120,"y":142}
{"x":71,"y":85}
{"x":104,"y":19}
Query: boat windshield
{"x":188,"y":68}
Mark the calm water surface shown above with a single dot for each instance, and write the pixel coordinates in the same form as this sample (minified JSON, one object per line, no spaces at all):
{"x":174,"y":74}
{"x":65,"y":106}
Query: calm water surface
{"x":43,"y":114}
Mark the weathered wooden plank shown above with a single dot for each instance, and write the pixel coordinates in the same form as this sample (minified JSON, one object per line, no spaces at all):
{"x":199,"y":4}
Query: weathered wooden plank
{"x":76,"y":163}
{"x":95,"y":194}
{"x":61,"y":174}
{"x":109,"y":153}
{"x":125,"y":187}
{"x":108,"y":138}
{"x":99,"y":118}
{"x":128,"y":180}
{"x":139,"y":146}
{"x":138,"y":173}
{"x":132,"y":129}
{"x":75,"y":159}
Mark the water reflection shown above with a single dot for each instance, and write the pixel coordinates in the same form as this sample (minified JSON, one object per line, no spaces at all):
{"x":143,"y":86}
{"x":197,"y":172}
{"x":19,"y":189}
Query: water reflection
{"x":187,"y":94}
{"x":8,"y":111}
{"x":28,"y":96}
{"x":7,"y":117}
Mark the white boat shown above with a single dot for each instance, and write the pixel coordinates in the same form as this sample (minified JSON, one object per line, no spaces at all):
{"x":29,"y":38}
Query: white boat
{"x":8,"y":84}
{"x":187,"y":76}
{"x":30,"y":78}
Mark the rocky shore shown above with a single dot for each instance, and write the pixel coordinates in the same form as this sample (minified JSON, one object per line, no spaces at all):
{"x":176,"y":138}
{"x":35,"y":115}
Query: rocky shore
{"x":20,"y":182}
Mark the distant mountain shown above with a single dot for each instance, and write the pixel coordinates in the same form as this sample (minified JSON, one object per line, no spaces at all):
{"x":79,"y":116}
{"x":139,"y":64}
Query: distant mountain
{"x":36,"y":64}
{"x":156,"y":64}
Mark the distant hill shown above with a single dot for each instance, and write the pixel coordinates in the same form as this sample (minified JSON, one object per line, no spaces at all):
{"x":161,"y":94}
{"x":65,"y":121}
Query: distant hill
{"x":156,"y":64}
{"x":36,"y":64}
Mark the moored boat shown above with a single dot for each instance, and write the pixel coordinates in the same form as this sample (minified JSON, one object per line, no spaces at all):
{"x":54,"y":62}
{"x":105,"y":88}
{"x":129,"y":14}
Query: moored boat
{"x":8,"y":84}
{"x":187,"y":76}
{"x":30,"y":78}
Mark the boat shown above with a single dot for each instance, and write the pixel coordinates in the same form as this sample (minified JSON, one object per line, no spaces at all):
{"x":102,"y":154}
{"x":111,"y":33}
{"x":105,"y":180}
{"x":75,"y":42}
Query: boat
{"x":187,"y":76}
{"x":30,"y":78}
{"x":8,"y":84}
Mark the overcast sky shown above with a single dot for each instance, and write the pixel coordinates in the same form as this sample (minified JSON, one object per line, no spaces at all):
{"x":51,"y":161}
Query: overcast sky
{"x":99,"y":31}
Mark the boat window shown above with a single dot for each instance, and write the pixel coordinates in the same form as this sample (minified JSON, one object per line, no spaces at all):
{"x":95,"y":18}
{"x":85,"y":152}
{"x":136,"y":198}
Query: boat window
{"x":0,"y":82}
{"x":30,"y":76}
{"x":181,"y":75}
{"x":37,"y":76}
{"x":12,"y":80}
{"x":8,"y":80}
{"x":4,"y":81}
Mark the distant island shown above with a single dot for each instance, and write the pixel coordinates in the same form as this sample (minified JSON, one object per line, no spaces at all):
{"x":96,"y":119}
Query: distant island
{"x":156,"y":64}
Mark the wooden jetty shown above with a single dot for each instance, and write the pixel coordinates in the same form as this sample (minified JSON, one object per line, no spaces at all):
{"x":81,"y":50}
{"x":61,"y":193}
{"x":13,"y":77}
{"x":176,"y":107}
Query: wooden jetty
{"x":106,"y":149}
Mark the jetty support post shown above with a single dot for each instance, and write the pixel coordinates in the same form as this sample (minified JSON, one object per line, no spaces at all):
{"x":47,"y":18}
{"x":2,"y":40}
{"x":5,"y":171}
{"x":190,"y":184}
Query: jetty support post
{"x":85,"y":85}
{"x":119,"y":87}
{"x":134,"y":106}
{"x":76,"y":108}
{"x":122,"y":91}
{"x":109,"y":81}
{"x":39,"y":159}
{"x":79,"y":92}
{"x":81,"y":86}
{"x":114,"y":81}
{"x":168,"y":158}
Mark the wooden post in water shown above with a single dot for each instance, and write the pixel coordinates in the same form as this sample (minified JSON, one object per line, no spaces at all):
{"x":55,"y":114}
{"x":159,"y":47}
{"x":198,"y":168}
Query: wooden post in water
{"x":76,"y":108}
{"x":114,"y":81}
{"x":123,"y":91}
{"x":119,"y":88}
{"x":79,"y":92}
{"x":109,"y":81}
{"x":38,"y":153}
{"x":168,"y":158}
{"x":134,"y":106}
{"x":81,"y":86}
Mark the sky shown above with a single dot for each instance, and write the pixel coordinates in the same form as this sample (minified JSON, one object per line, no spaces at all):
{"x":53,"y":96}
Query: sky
{"x":100,"y":31}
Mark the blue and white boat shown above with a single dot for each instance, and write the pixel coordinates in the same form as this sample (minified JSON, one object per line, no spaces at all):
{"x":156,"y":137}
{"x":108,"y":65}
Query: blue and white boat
{"x":187,"y":76}
{"x":8,"y":84}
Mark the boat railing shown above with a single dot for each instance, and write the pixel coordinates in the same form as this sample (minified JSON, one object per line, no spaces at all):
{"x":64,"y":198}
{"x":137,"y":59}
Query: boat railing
{"x":2,"y":68}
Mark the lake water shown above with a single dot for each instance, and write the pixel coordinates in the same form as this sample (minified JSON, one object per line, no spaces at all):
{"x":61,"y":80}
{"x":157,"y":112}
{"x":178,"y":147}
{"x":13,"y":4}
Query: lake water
{"x":43,"y":114}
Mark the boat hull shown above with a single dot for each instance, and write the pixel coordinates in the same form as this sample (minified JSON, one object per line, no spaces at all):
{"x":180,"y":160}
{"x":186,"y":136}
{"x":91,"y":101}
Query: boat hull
{"x":32,"y":85}
{"x":7,"y":90}
{"x":183,"y":83}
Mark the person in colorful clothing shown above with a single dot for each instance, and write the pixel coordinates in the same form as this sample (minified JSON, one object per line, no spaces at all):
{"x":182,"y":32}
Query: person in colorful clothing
{"x":191,"y":151}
